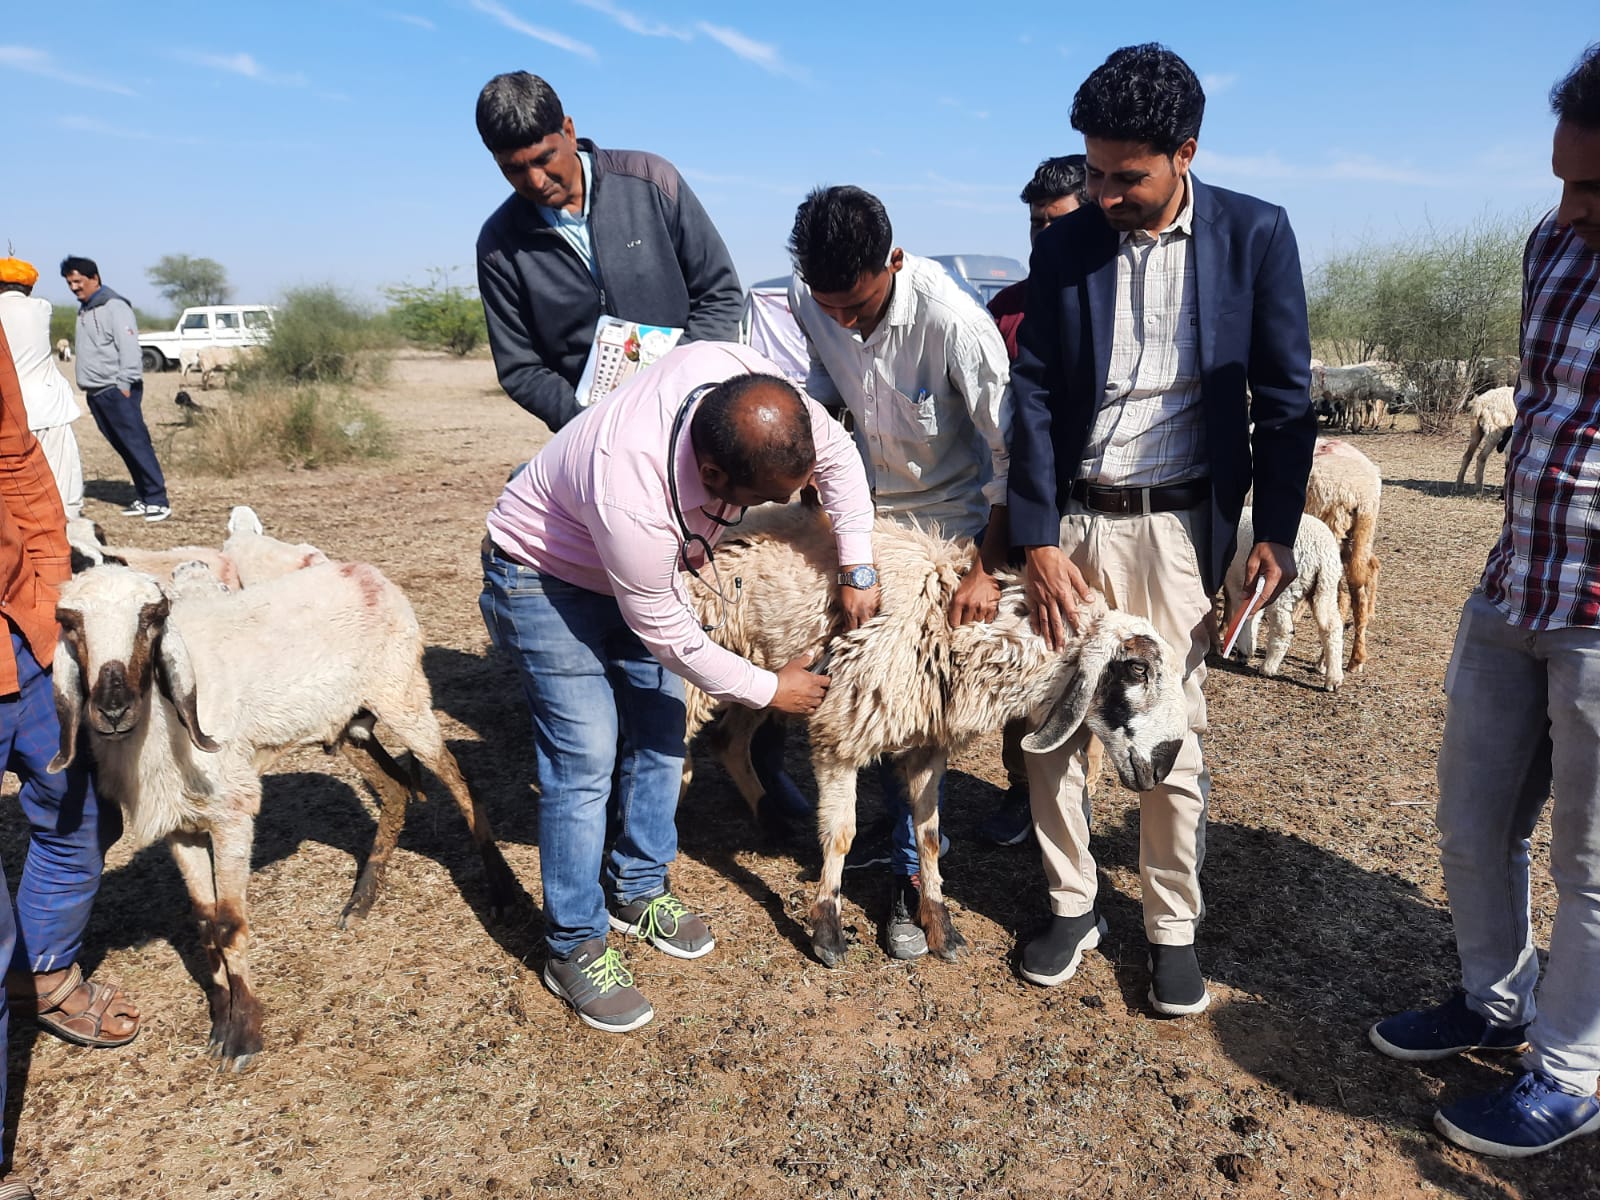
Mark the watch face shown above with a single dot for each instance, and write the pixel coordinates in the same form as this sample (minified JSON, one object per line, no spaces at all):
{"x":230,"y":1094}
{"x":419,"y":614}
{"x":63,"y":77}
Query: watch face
{"x":862,"y":577}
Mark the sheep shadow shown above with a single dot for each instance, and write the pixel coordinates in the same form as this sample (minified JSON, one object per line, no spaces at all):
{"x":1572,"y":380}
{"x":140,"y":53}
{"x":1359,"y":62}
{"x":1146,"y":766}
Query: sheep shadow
{"x":1446,"y":489}
{"x":1344,"y":946}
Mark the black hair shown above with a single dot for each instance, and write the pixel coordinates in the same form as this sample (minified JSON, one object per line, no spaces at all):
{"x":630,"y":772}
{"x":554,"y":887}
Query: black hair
{"x":516,"y":110}
{"x":1577,"y":97}
{"x":1057,"y":178}
{"x":25,"y":288}
{"x":83,"y":266}
{"x":786,"y":449}
{"x":1143,"y":93}
{"x":839,"y":234}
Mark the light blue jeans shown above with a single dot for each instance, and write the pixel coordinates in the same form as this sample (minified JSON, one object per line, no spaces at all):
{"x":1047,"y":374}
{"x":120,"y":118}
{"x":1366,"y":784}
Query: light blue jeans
{"x":602,"y":706}
{"x":1524,"y":713}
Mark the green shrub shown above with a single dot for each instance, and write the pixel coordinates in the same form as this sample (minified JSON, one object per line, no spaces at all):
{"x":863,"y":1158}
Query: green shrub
{"x":318,"y":336}
{"x":64,"y":323}
{"x":440,"y":315}
{"x":299,"y":427}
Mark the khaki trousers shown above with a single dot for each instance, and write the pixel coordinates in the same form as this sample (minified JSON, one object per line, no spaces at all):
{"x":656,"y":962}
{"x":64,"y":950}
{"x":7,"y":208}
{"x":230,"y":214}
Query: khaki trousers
{"x":1149,"y":566}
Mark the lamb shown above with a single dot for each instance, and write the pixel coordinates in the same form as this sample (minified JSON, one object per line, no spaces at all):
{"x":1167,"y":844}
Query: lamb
{"x":247,"y":557}
{"x":1491,"y":415}
{"x":63,"y":350}
{"x":1343,"y":492}
{"x":1316,"y":559}
{"x":186,"y":701}
{"x":909,"y":685}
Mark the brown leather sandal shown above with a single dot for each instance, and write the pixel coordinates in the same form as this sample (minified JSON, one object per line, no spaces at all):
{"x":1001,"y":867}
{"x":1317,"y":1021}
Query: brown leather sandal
{"x":82,"y":1028}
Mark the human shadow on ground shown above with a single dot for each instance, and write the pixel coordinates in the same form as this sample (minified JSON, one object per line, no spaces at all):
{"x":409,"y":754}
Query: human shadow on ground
{"x":1322,"y":947}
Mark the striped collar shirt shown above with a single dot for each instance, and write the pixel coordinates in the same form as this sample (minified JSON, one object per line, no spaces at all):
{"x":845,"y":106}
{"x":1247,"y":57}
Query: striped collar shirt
{"x":1149,"y":428}
{"x":927,"y":394}
{"x":1544,"y":572}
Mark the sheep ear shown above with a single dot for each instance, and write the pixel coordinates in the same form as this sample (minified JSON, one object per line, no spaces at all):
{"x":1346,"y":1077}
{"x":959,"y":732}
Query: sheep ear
{"x":175,"y":678}
{"x":67,"y":682}
{"x":1073,"y":705}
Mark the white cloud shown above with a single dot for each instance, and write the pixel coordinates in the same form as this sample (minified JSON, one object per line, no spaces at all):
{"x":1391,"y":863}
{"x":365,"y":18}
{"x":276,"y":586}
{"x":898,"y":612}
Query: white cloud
{"x":762,"y":54}
{"x":1362,"y":168}
{"x":634,"y":23}
{"x":40,"y":62}
{"x":750,"y":182}
{"x":1216,"y":83}
{"x":241,"y":64}
{"x":101,"y":129}
{"x":516,"y":24}
{"x":412,"y":19}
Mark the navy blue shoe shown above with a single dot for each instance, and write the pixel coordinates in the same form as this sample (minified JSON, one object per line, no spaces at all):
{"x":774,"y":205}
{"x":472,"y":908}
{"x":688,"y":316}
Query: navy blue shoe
{"x":1446,"y":1030}
{"x":1011,"y":822}
{"x":1524,"y":1118}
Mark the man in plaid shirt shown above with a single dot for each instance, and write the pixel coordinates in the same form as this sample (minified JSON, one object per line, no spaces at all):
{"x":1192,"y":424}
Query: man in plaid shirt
{"x":1524,"y":706}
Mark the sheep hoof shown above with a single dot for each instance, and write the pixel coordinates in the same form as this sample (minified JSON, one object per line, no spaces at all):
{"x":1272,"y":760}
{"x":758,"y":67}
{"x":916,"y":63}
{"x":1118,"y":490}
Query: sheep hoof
{"x":954,"y":946}
{"x":237,"y":1064}
{"x":827,"y":935}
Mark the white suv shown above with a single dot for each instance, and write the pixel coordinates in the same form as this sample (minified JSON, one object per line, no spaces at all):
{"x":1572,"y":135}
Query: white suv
{"x":208,"y":325}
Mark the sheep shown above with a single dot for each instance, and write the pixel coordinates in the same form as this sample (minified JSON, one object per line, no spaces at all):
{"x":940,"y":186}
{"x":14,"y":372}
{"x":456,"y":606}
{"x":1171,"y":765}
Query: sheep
{"x":214,"y":360}
{"x":247,"y":557}
{"x":63,"y":350}
{"x":1343,"y":492}
{"x":1316,"y":559}
{"x":1491,"y":415}
{"x":186,"y":701}
{"x":909,"y":685}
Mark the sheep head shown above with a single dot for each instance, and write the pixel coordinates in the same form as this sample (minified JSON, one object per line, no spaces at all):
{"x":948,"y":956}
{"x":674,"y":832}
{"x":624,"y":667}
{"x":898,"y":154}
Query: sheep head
{"x":1128,"y":691}
{"x":115,"y":641}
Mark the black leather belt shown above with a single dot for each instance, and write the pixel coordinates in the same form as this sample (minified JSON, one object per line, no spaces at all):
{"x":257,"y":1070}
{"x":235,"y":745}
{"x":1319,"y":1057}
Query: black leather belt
{"x":494,"y":551}
{"x":1119,"y":501}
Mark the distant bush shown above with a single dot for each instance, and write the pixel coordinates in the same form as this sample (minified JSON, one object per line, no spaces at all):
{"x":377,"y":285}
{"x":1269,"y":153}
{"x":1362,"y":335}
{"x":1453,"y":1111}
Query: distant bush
{"x":299,"y":427}
{"x":440,"y":315}
{"x":318,"y":336}
{"x":1438,"y":303}
{"x":64,"y":323}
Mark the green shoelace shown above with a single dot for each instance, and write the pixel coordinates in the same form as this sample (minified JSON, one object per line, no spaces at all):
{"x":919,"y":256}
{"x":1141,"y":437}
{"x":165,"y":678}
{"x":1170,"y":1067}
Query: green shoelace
{"x":653,"y":921}
{"x":607,"y":971}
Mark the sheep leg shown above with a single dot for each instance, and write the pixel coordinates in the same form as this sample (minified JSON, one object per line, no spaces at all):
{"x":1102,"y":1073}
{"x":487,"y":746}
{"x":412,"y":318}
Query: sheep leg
{"x":1472,"y":444}
{"x":923,"y":770}
{"x":731,"y":744}
{"x":1483,"y":461}
{"x":192,"y":853}
{"x":1279,"y":623}
{"x":394,"y":787}
{"x":836,"y":829}
{"x":232,"y":832}
{"x":1094,"y":758}
{"x":1325,"y":611}
{"x":418,"y":730}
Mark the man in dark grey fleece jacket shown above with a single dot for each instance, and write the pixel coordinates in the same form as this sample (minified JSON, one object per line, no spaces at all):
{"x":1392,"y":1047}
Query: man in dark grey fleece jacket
{"x":586,"y":231}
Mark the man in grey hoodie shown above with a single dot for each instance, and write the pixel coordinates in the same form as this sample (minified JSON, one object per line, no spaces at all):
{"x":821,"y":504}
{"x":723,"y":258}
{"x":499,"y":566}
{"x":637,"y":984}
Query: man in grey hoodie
{"x":110,"y":376}
{"x":587,"y":231}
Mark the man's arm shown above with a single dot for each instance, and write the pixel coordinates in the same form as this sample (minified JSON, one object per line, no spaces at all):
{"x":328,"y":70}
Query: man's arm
{"x":981,"y":372}
{"x":715,"y":297}
{"x":523,"y":373}
{"x":125,"y":336}
{"x":1279,"y":374}
{"x":842,"y":488}
{"x":819,"y":384}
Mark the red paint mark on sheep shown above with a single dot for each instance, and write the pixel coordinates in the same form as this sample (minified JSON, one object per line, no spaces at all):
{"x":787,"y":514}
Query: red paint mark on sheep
{"x":368,"y":579}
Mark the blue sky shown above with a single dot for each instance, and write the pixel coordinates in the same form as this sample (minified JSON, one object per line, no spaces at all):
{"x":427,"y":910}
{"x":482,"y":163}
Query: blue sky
{"x":301,"y":143}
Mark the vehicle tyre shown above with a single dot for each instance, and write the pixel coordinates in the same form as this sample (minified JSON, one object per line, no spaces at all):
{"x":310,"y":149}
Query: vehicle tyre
{"x":152,"y":360}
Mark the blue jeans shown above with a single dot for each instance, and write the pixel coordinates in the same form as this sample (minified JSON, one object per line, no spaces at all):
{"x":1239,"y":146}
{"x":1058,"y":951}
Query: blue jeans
{"x":66,"y":845}
{"x":601,"y":705}
{"x":1524,"y":717}
{"x":120,"y":420}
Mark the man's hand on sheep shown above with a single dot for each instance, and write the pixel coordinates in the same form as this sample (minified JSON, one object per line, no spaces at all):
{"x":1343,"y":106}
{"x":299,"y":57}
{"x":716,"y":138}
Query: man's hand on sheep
{"x":1276,"y":563}
{"x":1055,"y":585}
{"x":977,"y":597}
{"x":800,"y":690}
{"x":860,"y":604}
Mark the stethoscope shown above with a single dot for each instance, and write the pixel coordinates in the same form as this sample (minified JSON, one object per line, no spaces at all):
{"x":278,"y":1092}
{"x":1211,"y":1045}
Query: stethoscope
{"x":688,"y":536}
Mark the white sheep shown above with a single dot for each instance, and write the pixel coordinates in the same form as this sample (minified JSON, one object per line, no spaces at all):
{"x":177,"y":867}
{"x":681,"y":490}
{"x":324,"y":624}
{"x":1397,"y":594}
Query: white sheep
{"x":63,"y":350}
{"x":1490,"y":415}
{"x":909,"y":685}
{"x":1316,"y":561}
{"x":1344,"y":492}
{"x":186,"y":701}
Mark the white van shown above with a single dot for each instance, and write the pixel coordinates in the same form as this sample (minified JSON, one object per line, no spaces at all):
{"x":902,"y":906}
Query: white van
{"x":207,"y":325}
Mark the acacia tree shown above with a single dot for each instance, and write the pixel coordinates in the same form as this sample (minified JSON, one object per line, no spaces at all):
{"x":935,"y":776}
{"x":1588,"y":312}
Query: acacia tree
{"x":186,"y":282}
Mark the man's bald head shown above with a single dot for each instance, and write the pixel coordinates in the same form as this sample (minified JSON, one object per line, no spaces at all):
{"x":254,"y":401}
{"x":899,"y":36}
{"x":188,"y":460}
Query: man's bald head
{"x":755,"y":432}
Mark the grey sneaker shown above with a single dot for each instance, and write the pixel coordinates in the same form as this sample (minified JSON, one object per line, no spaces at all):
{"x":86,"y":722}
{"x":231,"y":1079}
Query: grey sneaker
{"x":666,"y":924}
{"x":902,"y":936}
{"x":593,"y":980}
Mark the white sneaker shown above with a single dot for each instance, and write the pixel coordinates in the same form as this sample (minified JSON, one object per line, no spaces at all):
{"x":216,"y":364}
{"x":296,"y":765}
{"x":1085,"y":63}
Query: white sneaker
{"x":157,"y":512}
{"x":136,"y":509}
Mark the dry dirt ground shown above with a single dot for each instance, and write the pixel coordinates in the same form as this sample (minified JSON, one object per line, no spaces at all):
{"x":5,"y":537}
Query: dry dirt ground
{"x":418,"y":1055}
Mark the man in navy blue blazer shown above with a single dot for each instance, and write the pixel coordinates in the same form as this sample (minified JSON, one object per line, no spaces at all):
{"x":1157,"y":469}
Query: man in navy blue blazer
{"x":1164,"y":368}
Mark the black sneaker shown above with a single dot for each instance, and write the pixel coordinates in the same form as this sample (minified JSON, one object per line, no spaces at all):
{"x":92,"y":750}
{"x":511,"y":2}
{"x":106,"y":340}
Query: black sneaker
{"x":1177,"y":989}
{"x":1011,"y":822}
{"x":873,"y":846}
{"x":1054,"y":955}
{"x":137,"y":509}
{"x":666,"y":924}
{"x":902,"y":936}
{"x":593,"y":980}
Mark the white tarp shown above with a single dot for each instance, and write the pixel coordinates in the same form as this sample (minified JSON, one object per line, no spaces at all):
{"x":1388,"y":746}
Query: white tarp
{"x":770,"y":330}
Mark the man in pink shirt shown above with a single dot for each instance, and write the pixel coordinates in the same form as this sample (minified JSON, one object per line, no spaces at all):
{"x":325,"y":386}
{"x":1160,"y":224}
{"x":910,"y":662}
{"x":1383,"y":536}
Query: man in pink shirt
{"x":582,"y":586}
